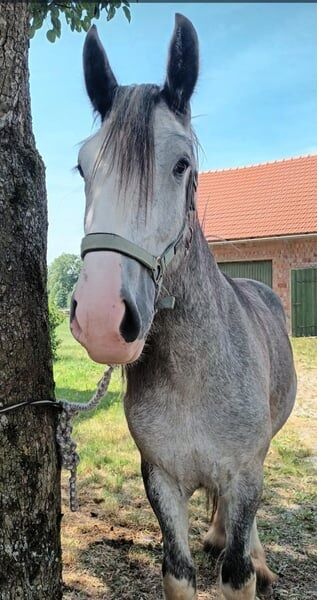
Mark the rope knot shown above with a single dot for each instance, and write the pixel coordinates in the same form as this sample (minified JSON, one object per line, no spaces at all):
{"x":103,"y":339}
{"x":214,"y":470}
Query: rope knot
{"x":67,"y":446}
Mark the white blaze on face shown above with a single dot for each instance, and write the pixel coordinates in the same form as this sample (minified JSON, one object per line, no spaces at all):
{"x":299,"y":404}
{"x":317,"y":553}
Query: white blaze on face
{"x":100,"y":306}
{"x":105,"y":210}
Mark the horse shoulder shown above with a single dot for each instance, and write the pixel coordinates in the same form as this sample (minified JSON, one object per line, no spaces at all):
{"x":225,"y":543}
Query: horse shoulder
{"x":257,"y":296}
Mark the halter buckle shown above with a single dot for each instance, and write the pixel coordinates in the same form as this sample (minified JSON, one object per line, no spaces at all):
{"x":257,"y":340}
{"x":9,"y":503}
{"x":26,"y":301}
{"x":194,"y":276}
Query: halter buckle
{"x":158,"y":271}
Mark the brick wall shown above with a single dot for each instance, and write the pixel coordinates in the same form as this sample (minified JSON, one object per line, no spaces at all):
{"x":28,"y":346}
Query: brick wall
{"x":284,"y":254}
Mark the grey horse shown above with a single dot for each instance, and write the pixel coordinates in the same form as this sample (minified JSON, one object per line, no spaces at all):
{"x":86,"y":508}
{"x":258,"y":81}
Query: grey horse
{"x":208,"y":362}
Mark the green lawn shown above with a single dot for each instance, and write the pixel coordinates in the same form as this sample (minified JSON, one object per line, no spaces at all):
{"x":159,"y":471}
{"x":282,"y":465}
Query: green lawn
{"x":112,"y":546}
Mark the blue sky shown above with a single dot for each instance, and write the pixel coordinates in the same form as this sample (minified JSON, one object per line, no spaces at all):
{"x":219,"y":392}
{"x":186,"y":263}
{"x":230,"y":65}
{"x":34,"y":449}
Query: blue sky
{"x":255,"y":100}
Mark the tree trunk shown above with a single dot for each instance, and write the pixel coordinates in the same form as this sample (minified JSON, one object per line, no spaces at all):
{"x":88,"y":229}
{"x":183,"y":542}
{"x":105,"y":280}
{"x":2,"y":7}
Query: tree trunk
{"x":30,"y":554}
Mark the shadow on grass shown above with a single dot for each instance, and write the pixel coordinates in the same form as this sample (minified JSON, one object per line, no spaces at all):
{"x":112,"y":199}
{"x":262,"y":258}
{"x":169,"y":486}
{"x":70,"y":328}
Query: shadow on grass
{"x":131,"y":568}
{"x":288,"y":534}
{"x":128,"y":570}
{"x":72,"y":395}
{"x":127,"y":558}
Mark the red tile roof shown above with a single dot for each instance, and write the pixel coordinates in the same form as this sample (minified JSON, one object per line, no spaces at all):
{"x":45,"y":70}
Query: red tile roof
{"x":271,"y":199}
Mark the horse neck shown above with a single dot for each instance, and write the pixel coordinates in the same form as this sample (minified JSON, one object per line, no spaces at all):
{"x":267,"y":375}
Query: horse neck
{"x":196,"y":284}
{"x":178,"y":334}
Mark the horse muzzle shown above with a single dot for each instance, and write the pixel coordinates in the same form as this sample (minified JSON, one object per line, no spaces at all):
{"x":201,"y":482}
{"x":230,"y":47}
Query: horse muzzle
{"x":104,"y":316}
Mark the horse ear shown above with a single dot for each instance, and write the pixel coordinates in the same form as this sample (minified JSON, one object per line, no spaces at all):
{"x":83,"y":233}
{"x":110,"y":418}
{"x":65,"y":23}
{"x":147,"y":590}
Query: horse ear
{"x":99,"y":78}
{"x":183,"y":65}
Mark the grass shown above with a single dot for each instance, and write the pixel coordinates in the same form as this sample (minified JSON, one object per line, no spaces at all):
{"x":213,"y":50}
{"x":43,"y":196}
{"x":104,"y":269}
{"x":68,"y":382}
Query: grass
{"x":111,"y":548}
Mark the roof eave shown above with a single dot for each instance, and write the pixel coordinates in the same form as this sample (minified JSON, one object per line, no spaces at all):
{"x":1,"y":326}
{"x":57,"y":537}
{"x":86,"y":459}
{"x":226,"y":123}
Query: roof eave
{"x":271,"y":238}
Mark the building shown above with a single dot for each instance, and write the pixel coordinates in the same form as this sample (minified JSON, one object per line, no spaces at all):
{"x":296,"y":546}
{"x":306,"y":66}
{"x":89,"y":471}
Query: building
{"x":261,"y":222}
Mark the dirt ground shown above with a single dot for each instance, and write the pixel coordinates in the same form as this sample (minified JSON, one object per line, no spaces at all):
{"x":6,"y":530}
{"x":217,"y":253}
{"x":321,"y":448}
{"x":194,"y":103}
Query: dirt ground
{"x":115,"y":553}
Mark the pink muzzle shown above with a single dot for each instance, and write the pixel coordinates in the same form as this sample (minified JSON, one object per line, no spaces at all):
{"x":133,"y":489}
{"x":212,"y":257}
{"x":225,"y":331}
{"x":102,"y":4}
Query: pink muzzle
{"x":101,"y":320}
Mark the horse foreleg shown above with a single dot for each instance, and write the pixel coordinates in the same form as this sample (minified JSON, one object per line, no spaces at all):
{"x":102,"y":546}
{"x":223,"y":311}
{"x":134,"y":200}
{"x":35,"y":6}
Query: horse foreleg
{"x":170,"y":507}
{"x":238,"y":575}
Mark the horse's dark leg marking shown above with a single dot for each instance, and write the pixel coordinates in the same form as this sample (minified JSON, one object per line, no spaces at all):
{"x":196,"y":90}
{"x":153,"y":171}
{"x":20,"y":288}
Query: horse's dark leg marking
{"x":170,"y":508}
{"x":215,"y":542}
{"x":238,"y":577}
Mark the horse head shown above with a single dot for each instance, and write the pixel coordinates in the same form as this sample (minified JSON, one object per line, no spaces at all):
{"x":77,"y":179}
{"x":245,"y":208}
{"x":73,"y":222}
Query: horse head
{"x":139,"y":170}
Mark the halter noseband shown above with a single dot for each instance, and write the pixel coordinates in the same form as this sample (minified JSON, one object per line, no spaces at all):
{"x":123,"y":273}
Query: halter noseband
{"x":95,"y":242}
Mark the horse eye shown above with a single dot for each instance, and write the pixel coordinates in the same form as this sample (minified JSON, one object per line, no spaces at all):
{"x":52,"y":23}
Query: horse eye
{"x":80,"y":170}
{"x":181,"y":166}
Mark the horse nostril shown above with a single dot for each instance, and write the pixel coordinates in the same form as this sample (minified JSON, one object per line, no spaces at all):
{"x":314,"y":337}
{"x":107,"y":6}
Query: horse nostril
{"x":72,"y":312}
{"x":131,"y":322}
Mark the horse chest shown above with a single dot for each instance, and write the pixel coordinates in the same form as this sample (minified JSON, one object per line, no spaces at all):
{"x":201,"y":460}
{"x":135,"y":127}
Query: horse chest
{"x":173,"y":441}
{"x":197,"y":442}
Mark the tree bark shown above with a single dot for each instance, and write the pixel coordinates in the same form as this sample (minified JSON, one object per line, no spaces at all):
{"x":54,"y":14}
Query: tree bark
{"x":30,"y":554}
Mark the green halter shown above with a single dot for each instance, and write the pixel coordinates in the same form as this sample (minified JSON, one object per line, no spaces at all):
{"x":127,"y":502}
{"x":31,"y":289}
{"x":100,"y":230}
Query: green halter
{"x":95,"y":242}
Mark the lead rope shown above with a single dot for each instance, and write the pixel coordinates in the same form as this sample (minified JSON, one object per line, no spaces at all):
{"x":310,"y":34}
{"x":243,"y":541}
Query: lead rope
{"x":67,"y":446}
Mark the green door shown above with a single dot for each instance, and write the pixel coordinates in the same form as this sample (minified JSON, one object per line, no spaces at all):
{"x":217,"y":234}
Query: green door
{"x":304,"y":321}
{"x":261,"y":270}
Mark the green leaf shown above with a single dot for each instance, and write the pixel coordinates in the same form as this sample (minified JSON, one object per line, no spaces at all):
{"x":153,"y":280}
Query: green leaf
{"x":90,"y":9}
{"x":78,"y":8}
{"x":78,"y":14}
{"x":56,"y":25}
{"x":55,"y":11}
{"x":86,"y":23}
{"x":127,"y":13}
{"x":51,"y":35}
{"x":111,"y":12}
{"x":72,"y":21}
{"x":37,"y":21}
{"x":67,"y":16}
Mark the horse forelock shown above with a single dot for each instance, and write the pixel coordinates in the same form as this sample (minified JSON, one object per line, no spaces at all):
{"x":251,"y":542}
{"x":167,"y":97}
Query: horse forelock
{"x":129,"y":137}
